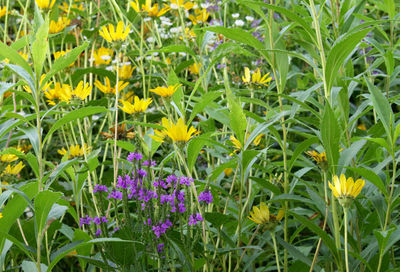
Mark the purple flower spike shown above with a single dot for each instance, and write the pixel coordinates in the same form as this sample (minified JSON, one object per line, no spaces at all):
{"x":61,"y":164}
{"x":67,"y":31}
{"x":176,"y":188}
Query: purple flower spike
{"x":146,"y":163}
{"x":115,"y":195}
{"x":100,"y":188}
{"x":98,"y":232}
{"x":206,"y":197}
{"x":85,"y":220}
{"x":134,"y":156}
{"x":160,"y":247}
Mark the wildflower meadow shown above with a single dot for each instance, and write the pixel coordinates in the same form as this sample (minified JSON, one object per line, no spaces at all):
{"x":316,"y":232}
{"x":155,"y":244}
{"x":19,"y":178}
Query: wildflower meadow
{"x":200,"y":135}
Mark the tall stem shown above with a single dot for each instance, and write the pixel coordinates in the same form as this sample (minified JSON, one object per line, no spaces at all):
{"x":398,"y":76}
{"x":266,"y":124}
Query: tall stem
{"x":115,"y":158}
{"x":276,"y":251}
{"x":346,"y":254}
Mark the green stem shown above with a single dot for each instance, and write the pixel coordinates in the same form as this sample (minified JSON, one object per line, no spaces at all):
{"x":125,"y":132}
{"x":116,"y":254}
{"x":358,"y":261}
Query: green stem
{"x":346,"y":254}
{"x":276,"y":250}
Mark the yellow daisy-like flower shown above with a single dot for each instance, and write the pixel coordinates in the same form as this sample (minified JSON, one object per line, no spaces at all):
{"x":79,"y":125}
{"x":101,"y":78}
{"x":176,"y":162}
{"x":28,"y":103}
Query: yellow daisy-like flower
{"x":107,"y":89}
{"x":10,"y":157}
{"x":166,"y":91}
{"x":152,"y":11}
{"x":256,"y":77}
{"x":195,"y":68}
{"x":262,"y":216}
{"x":346,"y":189}
{"x":82,"y":91}
{"x":13,"y":170}
{"x":200,"y":16}
{"x":3,"y":11}
{"x":176,"y":4}
{"x":102,"y":56}
{"x":45,"y":87}
{"x":178,"y":132}
{"x":60,"y":25}
{"x":65,"y":7}
{"x":74,"y":151}
{"x":318,"y":157}
{"x":45,"y":4}
{"x":111,"y":34}
{"x":61,"y":92}
{"x":126,"y":71}
{"x":139,"y":105}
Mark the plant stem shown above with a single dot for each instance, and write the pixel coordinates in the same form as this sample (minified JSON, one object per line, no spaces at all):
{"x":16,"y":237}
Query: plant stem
{"x":346,"y":254}
{"x":276,"y":250}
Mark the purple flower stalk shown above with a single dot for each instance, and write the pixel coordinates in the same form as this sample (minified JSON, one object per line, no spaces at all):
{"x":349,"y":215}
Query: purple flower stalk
{"x":206,"y":197}
{"x":194,"y":219}
{"x":134,"y":156}
{"x":146,"y":163}
{"x":85,"y":220}
{"x":100,"y":188}
{"x":115,"y":195}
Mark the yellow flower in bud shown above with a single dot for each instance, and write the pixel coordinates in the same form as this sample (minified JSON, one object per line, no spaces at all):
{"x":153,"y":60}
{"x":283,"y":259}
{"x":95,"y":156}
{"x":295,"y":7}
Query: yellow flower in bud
{"x":61,"y":92}
{"x":195,"y":68}
{"x":58,"y":26}
{"x":102,"y":56}
{"x":256,"y":77}
{"x":74,"y":151}
{"x":13,"y":170}
{"x":343,"y":188}
{"x":110,"y":34}
{"x":152,"y":11}
{"x":45,"y":4}
{"x":200,"y":16}
{"x":139,"y":105}
{"x":126,"y":71}
{"x":107,"y":89}
{"x":82,"y":91}
{"x":178,"y":132}
{"x":262,"y":215}
{"x":166,"y":91}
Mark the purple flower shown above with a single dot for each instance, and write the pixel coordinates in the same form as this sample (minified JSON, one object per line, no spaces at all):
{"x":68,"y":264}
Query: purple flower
{"x":100,"y":188}
{"x":185,"y":181}
{"x":146,"y":163}
{"x":98,"y":232}
{"x":141,"y":172}
{"x":255,"y":23}
{"x":85,"y":220}
{"x":134,"y":156}
{"x":171,"y":179}
{"x":104,"y":219}
{"x":115,"y":195}
{"x":181,"y":207}
{"x":160,"y":247}
{"x":194,"y":219}
{"x":97,"y":220}
{"x":206,"y":197}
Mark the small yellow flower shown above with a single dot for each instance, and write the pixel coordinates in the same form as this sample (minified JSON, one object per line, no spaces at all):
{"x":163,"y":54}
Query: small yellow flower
{"x":318,"y":157}
{"x":107,"y":89}
{"x":200,"y":16}
{"x":45,"y":87}
{"x":166,"y":91}
{"x":256,"y":77}
{"x":45,"y":4}
{"x":238,"y":145}
{"x":228,"y":171}
{"x":126,"y":71}
{"x":152,"y":11}
{"x":140,"y":105}
{"x":65,"y":7}
{"x":110,"y":34}
{"x":346,"y":188}
{"x":82,"y":91}
{"x":10,"y":157}
{"x":362,"y":127}
{"x":195,"y":68}
{"x":262,"y":216}
{"x":3,"y":11}
{"x":1,"y":215}
{"x":61,"y":92}
{"x":58,"y":26}
{"x":13,"y":170}
{"x":102,"y":56}
{"x":74,"y":151}
{"x":176,"y":4}
{"x":176,"y":132}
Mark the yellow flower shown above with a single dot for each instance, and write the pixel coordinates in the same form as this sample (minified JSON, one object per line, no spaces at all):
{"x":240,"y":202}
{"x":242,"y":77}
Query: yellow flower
{"x":58,"y":26}
{"x":61,"y":92}
{"x":201,"y":16}
{"x":82,"y":91}
{"x":3,"y":11}
{"x":65,"y":7}
{"x":256,"y":77}
{"x":110,"y":34}
{"x":362,"y":127}
{"x":176,"y":132}
{"x":45,"y":4}
{"x":346,"y":188}
{"x":128,"y":96}
{"x":13,"y":170}
{"x":75,"y":151}
{"x":262,"y":216}
{"x":4,"y":183}
{"x":45,"y":87}
{"x":195,"y":68}
{"x":102,"y":56}
{"x":228,"y":171}
{"x":176,"y":4}
{"x":318,"y":157}
{"x":10,"y":157}
{"x":152,"y":11}
{"x":60,"y":54}
{"x":140,"y":105}
{"x":1,"y":215}
{"x":126,"y":71}
{"x":238,"y":145}
{"x":166,"y":91}
{"x":107,"y":89}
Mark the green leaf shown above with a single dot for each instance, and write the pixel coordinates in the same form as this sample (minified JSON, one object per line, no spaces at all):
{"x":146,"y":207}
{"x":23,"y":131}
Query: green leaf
{"x":28,"y":266}
{"x":237,"y":34}
{"x":204,"y":101}
{"x":23,"y":74}
{"x":343,"y":47}
{"x":5,"y":86}
{"x":194,"y":147}
{"x":298,"y":255}
{"x":74,"y":115}
{"x":371,"y":176}
{"x":383,"y":238}
{"x":237,"y":117}
{"x":14,"y":57}
{"x":330,"y":135}
{"x":218,"y":219}
{"x":33,"y":136}
{"x":43,"y":203}
{"x":64,"y":61}
{"x":60,"y":168}
{"x":383,"y":109}
{"x":301,"y":148}
{"x":267,"y":185}
{"x":328,"y":241}
{"x":40,"y":47}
